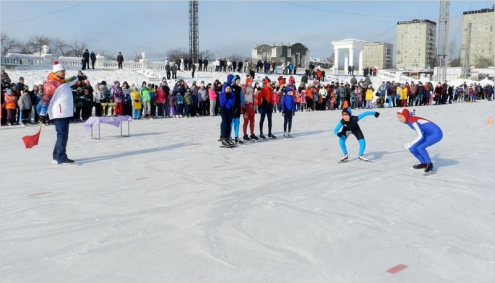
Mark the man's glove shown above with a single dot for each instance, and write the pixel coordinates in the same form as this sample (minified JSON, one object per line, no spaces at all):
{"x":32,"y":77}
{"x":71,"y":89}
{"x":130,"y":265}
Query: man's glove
{"x":245,"y":116}
{"x":377,"y":114}
{"x":42,"y":119}
{"x":68,"y":80}
{"x":341,"y":134}
{"x":283,"y":113}
{"x":407,"y":145}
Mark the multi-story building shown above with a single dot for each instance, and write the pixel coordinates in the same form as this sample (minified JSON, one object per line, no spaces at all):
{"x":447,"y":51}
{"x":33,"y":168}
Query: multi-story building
{"x":378,"y":54}
{"x":416,"y":44}
{"x":297,"y":54}
{"x":478,"y":38}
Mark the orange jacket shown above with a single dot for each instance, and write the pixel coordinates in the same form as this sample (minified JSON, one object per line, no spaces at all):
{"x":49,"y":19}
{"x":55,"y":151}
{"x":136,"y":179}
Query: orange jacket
{"x":266,"y":94}
{"x":309,"y":93}
{"x":10,"y":101}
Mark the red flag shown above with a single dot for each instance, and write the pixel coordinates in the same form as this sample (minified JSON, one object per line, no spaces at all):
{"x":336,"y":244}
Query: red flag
{"x":30,"y":141}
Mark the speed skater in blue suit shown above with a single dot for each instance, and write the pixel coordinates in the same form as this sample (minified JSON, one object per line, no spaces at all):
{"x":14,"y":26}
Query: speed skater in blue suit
{"x":428,"y":134}
{"x":349,"y":125}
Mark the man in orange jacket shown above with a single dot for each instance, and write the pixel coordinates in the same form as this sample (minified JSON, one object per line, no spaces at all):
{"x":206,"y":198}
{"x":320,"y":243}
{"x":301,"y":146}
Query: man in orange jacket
{"x":266,"y":108}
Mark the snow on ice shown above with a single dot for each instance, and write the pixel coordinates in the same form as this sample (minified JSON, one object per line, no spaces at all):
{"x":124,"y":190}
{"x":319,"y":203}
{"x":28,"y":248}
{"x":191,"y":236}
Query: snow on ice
{"x":168,"y":205}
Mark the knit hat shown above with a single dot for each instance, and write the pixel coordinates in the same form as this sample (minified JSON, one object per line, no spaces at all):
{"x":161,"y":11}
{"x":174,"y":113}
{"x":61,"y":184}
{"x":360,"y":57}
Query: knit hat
{"x":404,"y":112}
{"x":248,"y":81}
{"x":57,"y":67}
{"x":347,"y":110}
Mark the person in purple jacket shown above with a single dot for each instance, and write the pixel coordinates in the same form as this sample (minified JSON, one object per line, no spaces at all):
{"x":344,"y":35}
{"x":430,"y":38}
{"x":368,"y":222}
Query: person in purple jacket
{"x":226,"y":105}
{"x":288,"y":108}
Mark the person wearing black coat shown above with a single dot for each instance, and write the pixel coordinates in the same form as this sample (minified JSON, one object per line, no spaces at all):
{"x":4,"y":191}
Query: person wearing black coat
{"x":120,"y":59}
{"x":205,"y":65}
{"x":85,"y":59}
{"x":93,"y":59}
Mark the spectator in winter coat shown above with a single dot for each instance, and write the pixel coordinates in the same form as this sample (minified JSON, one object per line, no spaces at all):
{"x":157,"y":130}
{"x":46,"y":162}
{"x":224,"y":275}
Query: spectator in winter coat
{"x":160,"y":99}
{"x":120,"y":59}
{"x":145,"y":93}
{"x":174,"y":71}
{"x":288,"y":110}
{"x":212,"y":96}
{"x":11,"y":106}
{"x":93,"y":60}
{"x":25,"y":106}
{"x":227,"y":101}
{"x":86,"y":60}
{"x":118,"y":97}
{"x":5,"y":78}
{"x":203,"y":99}
{"x":136,"y":103}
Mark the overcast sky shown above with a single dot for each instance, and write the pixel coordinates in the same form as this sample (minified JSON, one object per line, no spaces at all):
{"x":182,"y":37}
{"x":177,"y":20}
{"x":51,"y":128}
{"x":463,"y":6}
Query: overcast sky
{"x":226,"y":28}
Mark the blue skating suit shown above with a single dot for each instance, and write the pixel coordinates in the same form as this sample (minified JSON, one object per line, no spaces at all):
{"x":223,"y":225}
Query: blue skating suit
{"x":352,"y":127}
{"x":428,"y":134}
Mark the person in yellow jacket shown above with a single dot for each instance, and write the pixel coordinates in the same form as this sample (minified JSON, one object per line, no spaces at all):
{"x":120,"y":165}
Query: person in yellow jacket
{"x":403,"y":96}
{"x":136,"y":103}
{"x":369,"y":97}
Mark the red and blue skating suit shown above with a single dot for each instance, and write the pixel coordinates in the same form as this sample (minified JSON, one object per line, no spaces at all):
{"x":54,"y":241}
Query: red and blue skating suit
{"x":428,"y":134}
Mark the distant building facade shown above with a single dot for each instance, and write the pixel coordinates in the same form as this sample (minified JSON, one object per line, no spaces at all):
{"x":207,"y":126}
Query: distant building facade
{"x":297,"y":54}
{"x":378,"y":54}
{"x":416,"y":44}
{"x":481,"y":47}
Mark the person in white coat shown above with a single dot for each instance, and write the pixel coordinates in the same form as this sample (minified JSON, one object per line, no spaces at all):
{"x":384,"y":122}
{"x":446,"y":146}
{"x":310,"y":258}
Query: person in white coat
{"x":58,"y":103}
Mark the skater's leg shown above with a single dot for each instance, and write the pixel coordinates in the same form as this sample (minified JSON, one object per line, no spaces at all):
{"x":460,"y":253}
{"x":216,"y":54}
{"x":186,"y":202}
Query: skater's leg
{"x":362,"y":146}
{"x":245,"y":124}
{"x":342,"y":144}
{"x":427,"y":141}
{"x":251,"y":120}
{"x":414,"y":150}
{"x":262,"y":120}
{"x":286,"y":121}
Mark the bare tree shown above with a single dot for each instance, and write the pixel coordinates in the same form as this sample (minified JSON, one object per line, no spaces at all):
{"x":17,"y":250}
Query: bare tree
{"x":76,"y":48}
{"x":177,"y":53}
{"x":59,"y":47}
{"x":9,"y":44}
{"x":206,"y":54}
{"x":484,"y":62}
{"x":136,"y":56}
{"x":37,"y":42}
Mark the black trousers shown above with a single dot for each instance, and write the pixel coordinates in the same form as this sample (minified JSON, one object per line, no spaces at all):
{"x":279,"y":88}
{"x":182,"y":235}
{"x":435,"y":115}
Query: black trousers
{"x":226,"y":125}
{"x":92,"y":65}
{"x":168,"y":75}
{"x":120,"y":65}
{"x":161,"y":109}
{"x":268,"y":111}
{"x":287,"y":121}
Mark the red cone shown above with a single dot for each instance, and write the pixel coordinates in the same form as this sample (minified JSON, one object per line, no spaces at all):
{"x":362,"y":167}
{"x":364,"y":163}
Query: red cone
{"x":30,"y":141}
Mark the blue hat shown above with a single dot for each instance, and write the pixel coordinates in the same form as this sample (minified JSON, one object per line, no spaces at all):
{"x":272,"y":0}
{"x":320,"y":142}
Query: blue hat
{"x":9,"y":91}
{"x":348,"y":110}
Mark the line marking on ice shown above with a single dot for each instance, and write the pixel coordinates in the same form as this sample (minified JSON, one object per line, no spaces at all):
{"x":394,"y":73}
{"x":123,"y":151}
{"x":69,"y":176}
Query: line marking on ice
{"x":142,"y":178}
{"x":397,"y":268}
{"x":39,"y":194}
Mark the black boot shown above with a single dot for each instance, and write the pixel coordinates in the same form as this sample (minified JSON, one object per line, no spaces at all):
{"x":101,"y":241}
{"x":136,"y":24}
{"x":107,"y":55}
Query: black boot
{"x":246,"y":138}
{"x":262,"y":136}
{"x":272,"y":136}
{"x":237,"y":140}
{"x":420,"y":166}
{"x":254,"y":137}
{"x":429,"y":167}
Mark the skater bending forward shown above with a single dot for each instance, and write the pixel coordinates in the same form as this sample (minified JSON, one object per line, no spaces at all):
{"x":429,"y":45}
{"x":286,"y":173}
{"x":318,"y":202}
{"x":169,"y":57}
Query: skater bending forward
{"x":349,"y":125}
{"x":428,"y":134}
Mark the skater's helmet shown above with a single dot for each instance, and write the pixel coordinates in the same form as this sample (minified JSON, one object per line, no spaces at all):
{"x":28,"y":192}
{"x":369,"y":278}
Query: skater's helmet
{"x":347,"y":110}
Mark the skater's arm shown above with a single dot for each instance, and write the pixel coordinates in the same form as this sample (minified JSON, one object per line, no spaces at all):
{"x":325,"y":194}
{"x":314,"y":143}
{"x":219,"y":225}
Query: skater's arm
{"x":367,"y":113}
{"x":337,"y":128}
{"x":418,"y":138}
{"x":242,"y":100}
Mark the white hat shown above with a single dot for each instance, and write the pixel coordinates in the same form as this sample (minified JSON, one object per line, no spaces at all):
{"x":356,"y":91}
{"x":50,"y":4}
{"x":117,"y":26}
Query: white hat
{"x":57,"y":67}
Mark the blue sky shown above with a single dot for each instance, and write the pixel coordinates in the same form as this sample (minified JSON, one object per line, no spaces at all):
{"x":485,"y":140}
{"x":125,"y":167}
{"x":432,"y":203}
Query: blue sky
{"x":226,"y":28}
